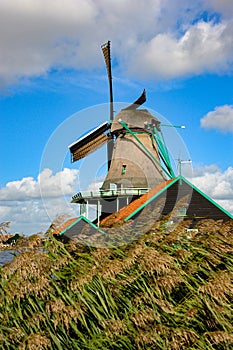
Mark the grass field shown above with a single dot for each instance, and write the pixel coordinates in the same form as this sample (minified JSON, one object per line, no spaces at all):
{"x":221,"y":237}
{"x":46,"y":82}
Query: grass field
{"x":167,"y":289}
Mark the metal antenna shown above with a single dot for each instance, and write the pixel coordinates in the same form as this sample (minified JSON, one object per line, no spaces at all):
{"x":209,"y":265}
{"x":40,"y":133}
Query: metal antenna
{"x":180,"y":162}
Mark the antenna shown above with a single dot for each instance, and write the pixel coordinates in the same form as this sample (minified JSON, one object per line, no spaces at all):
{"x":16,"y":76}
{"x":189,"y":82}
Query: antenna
{"x":180,"y":162}
{"x":107,"y":56}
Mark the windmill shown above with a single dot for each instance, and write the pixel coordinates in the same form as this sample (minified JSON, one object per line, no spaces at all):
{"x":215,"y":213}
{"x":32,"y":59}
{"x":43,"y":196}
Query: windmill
{"x":140,"y":176}
{"x":138,"y":158}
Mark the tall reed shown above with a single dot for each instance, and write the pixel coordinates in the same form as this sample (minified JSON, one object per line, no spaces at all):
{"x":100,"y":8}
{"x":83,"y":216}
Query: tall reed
{"x":165,"y":290}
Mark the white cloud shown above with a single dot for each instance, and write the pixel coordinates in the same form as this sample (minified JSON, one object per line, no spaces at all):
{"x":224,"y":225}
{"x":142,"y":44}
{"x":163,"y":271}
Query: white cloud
{"x":226,"y":204}
{"x":36,"y":36}
{"x":204,"y":47}
{"x":95,"y":186}
{"x":62,"y":183}
{"x":216,"y":184}
{"x":28,"y":209}
{"x":221,"y":119}
{"x":156,"y":38}
{"x":46,"y":185}
{"x":96,"y":183}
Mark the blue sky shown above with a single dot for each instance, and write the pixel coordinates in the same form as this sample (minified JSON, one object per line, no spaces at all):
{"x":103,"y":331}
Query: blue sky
{"x":53,"y":87}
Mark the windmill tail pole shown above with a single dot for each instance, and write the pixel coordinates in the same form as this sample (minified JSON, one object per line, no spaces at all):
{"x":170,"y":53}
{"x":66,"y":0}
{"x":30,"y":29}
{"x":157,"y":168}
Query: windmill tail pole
{"x":107,"y":56}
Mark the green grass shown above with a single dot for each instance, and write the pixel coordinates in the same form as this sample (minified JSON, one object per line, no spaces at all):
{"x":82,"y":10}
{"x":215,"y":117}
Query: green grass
{"x":166,"y":290}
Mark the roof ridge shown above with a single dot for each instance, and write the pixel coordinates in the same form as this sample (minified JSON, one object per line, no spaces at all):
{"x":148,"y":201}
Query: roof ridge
{"x":64,"y":225}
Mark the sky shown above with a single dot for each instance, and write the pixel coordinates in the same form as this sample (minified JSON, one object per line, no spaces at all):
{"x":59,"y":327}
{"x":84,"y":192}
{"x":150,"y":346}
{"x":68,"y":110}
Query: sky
{"x":54,"y":88}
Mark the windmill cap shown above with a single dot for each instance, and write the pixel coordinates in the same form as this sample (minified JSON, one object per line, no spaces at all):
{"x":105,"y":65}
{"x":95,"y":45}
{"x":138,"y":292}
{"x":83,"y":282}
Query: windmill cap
{"x":134,"y":119}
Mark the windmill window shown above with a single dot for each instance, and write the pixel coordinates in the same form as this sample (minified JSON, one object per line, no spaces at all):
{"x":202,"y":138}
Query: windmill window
{"x":113,"y":186}
{"x":123,"y":169}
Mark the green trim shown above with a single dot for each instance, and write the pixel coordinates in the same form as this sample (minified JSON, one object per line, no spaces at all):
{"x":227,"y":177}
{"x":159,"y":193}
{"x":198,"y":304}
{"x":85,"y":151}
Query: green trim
{"x":206,"y":197}
{"x":168,"y":158}
{"x":161,"y":143}
{"x":148,"y":152}
{"x":136,"y":132}
{"x":151,"y":199}
{"x":81,"y":217}
{"x":167,"y":166}
{"x":163,"y":151}
{"x":174,"y":126}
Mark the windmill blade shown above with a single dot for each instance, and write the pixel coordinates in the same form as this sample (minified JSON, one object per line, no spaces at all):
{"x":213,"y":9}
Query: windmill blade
{"x":138,"y":102}
{"x":90,"y":142}
{"x":107,"y":57}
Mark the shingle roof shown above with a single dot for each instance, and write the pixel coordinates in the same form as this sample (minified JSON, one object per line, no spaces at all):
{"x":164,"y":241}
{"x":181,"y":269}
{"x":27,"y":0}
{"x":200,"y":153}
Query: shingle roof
{"x":124,"y":212}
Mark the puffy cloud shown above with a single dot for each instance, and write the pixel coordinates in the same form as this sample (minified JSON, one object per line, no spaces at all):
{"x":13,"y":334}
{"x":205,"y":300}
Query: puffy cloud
{"x":216,"y":184}
{"x":221,"y":119}
{"x":156,"y":38}
{"x":47,"y":185}
{"x":204,"y":47}
{"x":31,"y":216}
{"x":30,"y":204}
{"x":226,"y":204}
{"x":96,"y":183}
{"x":62,"y":183}
{"x":95,"y":186}
{"x":36,"y":36}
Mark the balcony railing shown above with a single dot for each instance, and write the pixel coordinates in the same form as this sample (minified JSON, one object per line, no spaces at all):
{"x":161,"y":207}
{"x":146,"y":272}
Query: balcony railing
{"x":110,"y":193}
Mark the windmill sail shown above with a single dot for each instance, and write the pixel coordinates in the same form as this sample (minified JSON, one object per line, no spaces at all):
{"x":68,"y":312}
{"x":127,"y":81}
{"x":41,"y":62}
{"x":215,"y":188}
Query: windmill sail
{"x":107,"y":56}
{"x":90,"y":142}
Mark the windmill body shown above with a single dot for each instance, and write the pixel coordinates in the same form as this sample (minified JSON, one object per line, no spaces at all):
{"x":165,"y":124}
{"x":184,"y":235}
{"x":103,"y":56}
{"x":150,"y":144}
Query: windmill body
{"x":135,"y":159}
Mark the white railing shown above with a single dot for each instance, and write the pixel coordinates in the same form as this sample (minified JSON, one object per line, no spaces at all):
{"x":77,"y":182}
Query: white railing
{"x":111,"y":193}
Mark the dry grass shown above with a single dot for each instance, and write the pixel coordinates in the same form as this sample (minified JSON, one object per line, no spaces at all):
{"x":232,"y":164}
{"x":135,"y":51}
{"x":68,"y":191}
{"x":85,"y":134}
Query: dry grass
{"x":167,"y":289}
